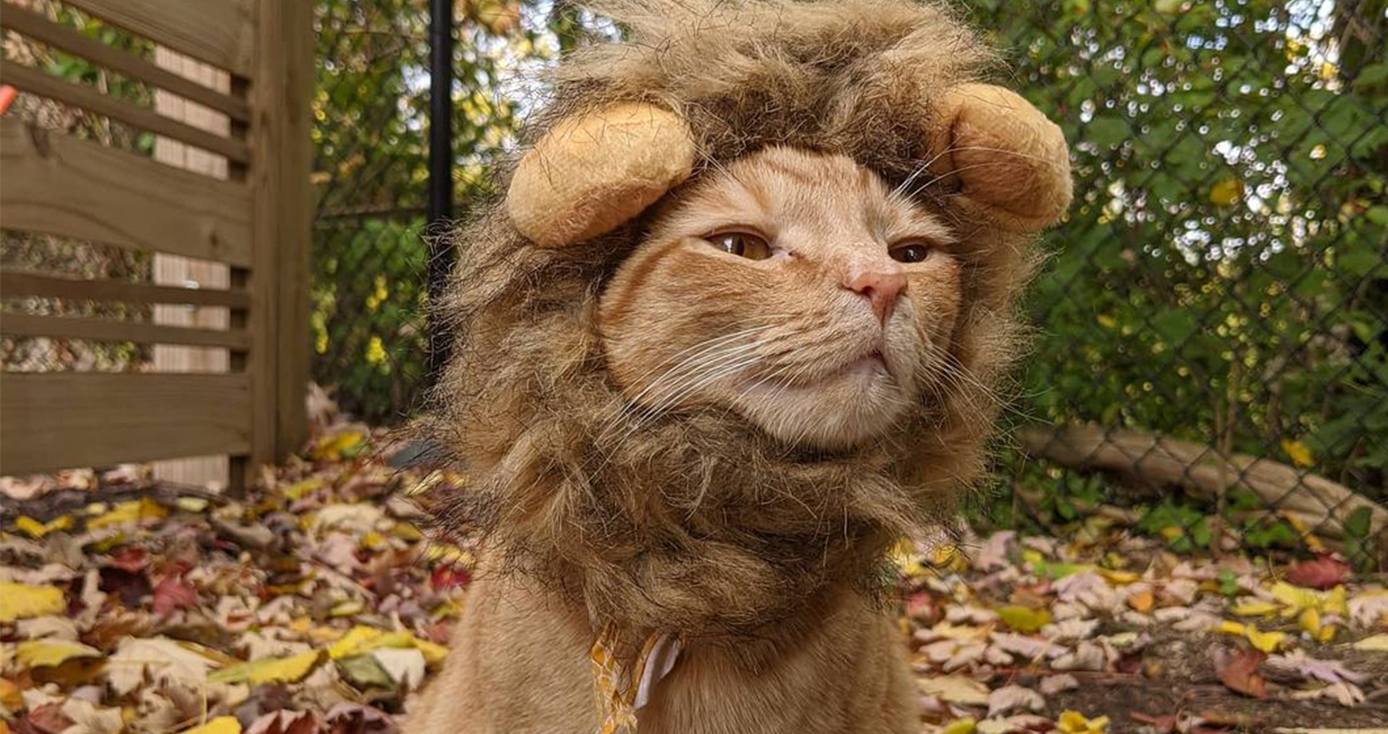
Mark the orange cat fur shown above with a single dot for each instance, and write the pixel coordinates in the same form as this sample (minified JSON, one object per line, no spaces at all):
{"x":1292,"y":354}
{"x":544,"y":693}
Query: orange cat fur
{"x":712,"y":416}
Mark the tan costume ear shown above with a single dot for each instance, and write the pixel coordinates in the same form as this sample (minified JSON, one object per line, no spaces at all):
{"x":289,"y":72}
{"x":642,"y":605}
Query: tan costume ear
{"x":1006,"y":156}
{"x":594,"y":171}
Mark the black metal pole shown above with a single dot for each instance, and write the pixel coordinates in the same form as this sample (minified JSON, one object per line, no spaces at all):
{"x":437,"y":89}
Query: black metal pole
{"x":441,"y":254}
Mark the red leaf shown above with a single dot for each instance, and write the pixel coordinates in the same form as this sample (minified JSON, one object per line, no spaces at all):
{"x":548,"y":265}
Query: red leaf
{"x":1239,"y":672}
{"x":447,"y":577}
{"x":130,"y":558}
{"x":45,"y":719}
{"x":1324,"y":572}
{"x":172,"y":594}
{"x":1164,"y":724}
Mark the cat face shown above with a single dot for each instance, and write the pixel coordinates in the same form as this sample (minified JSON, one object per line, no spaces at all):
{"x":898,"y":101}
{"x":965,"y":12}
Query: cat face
{"x":793,"y":288}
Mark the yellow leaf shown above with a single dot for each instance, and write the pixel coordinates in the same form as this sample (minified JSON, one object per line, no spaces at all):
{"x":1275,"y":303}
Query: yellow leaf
{"x":1231,"y":628}
{"x":1266,"y":641}
{"x":1294,"y":598}
{"x":346,"y":608}
{"x":1375,"y":643}
{"x":362,"y":639}
{"x":332,"y":448}
{"x":219,"y":725}
{"x":132,"y":511}
{"x":960,"y":726}
{"x":1118,"y":577}
{"x":35,"y":529}
{"x":1074,"y":722}
{"x":1310,"y":620}
{"x":1172,"y":532}
{"x":1226,"y":193}
{"x":269,"y":670}
{"x":1258,"y":608}
{"x":1023,"y":619}
{"x":191,"y":504}
{"x":48,"y":652}
{"x":299,"y":489}
{"x":407,"y":531}
{"x":1298,"y":452}
{"x":21,"y":601}
{"x":10,"y":699}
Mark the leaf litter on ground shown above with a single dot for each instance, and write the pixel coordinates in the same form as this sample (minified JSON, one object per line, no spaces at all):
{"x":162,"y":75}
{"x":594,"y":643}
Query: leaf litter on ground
{"x":316,"y":604}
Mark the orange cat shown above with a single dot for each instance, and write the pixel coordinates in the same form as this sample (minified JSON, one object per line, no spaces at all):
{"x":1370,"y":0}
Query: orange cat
{"x":716,"y":356}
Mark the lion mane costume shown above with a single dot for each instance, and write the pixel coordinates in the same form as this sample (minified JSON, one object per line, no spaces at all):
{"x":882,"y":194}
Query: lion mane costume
{"x":697,"y":522}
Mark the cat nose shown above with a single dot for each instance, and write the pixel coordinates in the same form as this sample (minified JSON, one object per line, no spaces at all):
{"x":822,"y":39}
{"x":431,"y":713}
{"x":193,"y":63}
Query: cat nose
{"x":880,"y":285}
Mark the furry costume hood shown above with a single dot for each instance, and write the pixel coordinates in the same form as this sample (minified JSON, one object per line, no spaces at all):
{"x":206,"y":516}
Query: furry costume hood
{"x":697,"y":521}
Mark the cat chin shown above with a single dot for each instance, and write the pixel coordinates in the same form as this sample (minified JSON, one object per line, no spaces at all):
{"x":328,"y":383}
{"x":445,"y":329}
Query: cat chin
{"x":861,"y":403}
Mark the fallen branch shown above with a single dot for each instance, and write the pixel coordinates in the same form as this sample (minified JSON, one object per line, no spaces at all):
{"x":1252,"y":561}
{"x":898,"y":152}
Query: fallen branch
{"x":1155,"y":461}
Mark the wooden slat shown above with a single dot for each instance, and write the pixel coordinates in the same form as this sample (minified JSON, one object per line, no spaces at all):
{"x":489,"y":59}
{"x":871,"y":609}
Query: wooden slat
{"x":46,"y":31}
{"x":47,"y":286}
{"x":20,"y":324}
{"x":46,"y":85}
{"x":219,"y":32}
{"x":61,"y":420}
{"x":59,"y":185}
{"x":283,"y":225}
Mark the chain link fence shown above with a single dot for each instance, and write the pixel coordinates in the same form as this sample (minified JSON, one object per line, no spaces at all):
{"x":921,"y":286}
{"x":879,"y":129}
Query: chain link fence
{"x":1211,"y":356}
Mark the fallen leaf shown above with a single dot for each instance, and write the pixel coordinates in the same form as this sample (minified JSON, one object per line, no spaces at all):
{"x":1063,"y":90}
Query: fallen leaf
{"x":284,"y":722}
{"x":365,"y":671}
{"x":1257,"y":608}
{"x":128,"y":512}
{"x":35,"y":529}
{"x":1014,"y":698}
{"x":19,"y":601}
{"x":138,"y":659}
{"x":1023,"y":619}
{"x":959,"y":726}
{"x":1142,"y":601}
{"x":268,"y":670}
{"x":1324,"y":572}
{"x":47,"y":653}
{"x":1346,"y":694}
{"x":1165,"y":724}
{"x":219,"y":725}
{"x":1239,"y":671}
{"x":354,"y":718}
{"x":404,"y":665}
{"x":955,"y":689}
{"x":172,"y":594}
{"x":1053,"y":684}
{"x":1299,"y":663}
{"x":1298,"y":452}
{"x":1375,"y":643}
{"x":1074,"y":722}
{"x":88,"y":718}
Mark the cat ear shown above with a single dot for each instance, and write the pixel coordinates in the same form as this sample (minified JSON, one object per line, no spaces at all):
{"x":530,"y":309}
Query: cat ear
{"x":594,"y":171}
{"x":1005,"y":155}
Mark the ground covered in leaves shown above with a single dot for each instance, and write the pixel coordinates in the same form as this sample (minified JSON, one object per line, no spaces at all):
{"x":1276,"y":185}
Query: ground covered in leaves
{"x":316,"y":605}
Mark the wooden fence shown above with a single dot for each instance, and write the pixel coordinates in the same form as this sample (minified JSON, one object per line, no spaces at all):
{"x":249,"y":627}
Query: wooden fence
{"x":233,"y":79}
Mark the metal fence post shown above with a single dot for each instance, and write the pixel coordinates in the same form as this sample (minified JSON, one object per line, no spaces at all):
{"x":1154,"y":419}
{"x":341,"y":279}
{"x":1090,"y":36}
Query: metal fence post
{"x":440,"y":212}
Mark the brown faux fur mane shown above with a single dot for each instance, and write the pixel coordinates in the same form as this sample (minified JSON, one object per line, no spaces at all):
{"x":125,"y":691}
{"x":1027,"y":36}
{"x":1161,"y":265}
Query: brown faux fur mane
{"x":697,"y":521}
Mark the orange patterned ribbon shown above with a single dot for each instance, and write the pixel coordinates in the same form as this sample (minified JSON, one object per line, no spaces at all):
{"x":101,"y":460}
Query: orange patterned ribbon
{"x":622,"y":690}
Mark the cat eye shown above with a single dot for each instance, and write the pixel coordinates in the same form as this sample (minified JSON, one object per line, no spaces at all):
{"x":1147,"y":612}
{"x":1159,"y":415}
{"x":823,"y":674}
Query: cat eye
{"x":741,"y":244}
{"x":911,"y":252}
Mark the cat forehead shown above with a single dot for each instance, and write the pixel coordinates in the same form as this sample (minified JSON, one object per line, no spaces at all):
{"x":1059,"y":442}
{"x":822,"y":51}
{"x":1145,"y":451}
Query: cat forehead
{"x":783,"y":182}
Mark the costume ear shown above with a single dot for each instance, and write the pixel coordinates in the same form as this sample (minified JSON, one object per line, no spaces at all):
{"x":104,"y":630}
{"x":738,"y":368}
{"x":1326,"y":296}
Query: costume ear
{"x":594,"y":171}
{"x":1006,"y":156}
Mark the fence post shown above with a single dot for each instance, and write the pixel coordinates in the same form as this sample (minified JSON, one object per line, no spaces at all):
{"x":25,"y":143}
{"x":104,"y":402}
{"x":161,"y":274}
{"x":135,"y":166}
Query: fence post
{"x":281,"y":158}
{"x":441,"y":255}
